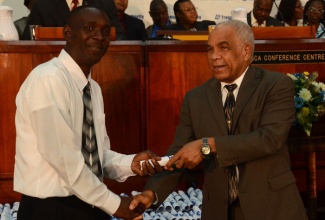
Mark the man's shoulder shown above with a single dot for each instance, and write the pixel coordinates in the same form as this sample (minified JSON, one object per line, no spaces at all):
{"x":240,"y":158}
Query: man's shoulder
{"x":202,"y":88}
{"x":266,"y":75}
{"x":132,"y":19}
{"x":273,"y":22}
{"x":49,"y":67}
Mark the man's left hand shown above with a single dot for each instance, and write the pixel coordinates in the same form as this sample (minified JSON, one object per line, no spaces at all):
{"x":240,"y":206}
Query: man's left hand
{"x":146,"y":168}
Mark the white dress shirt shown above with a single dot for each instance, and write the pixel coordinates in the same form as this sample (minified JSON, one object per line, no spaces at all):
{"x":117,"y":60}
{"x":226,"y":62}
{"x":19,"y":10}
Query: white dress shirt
{"x":49,"y":117}
{"x":238,"y":81}
{"x":255,"y":23}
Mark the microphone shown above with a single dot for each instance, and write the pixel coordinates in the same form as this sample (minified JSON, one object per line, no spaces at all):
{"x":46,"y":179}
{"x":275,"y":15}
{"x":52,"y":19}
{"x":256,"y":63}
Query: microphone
{"x":276,"y":5}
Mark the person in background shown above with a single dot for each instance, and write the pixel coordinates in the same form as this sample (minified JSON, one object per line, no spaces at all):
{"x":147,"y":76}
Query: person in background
{"x":186,"y":18}
{"x":62,"y":148}
{"x":236,"y":124}
{"x":134,"y":28}
{"x":260,"y":15}
{"x":21,"y":23}
{"x":54,"y":13}
{"x":290,"y":12}
{"x":159,"y":14}
{"x":314,"y":15}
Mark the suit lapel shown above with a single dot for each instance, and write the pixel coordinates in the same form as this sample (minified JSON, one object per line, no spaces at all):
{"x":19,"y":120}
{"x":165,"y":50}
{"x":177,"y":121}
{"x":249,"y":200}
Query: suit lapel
{"x":215,"y":101}
{"x":247,"y":88}
{"x":249,"y":22}
{"x":62,"y":9}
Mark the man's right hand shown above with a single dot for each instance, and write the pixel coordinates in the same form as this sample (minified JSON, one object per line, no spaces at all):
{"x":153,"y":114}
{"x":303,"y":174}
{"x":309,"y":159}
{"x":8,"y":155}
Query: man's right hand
{"x":144,"y":200}
{"x":125,"y":212}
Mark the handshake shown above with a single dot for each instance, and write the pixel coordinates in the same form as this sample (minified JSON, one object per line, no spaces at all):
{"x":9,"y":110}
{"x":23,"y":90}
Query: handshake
{"x":147,"y":163}
{"x":144,"y":164}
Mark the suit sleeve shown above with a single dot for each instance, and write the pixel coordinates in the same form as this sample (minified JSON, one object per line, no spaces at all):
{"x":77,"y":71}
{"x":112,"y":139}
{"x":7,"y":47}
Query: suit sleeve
{"x":114,"y":20}
{"x":169,"y":180}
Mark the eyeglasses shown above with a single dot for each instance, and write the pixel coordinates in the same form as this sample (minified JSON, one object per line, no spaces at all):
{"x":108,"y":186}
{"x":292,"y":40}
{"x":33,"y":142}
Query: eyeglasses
{"x":189,"y":9}
{"x":312,"y":9}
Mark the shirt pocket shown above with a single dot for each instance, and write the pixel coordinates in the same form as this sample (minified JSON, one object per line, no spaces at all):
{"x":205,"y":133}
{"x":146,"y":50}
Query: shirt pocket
{"x":100,"y":128}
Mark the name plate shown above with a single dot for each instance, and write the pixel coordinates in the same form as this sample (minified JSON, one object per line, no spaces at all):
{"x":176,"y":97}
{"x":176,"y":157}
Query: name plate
{"x":261,"y":57}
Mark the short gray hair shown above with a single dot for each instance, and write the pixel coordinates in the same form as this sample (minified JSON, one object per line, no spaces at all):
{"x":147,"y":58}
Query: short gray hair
{"x":243,"y":31}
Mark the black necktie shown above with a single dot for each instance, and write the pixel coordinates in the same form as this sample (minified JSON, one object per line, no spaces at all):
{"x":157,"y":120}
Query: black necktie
{"x":89,"y":144}
{"x":229,"y":105}
{"x":233,"y":175}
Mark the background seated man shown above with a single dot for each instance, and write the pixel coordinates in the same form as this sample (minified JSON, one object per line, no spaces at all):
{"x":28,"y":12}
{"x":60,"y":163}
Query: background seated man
{"x":54,"y":13}
{"x":134,"y":28}
{"x":21,"y":23}
{"x":186,"y":18}
{"x":159,"y":14}
{"x":260,"y":16}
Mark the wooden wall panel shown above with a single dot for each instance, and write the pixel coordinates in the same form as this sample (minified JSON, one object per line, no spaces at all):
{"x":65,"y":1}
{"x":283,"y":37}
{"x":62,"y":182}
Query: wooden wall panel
{"x":171,"y":75}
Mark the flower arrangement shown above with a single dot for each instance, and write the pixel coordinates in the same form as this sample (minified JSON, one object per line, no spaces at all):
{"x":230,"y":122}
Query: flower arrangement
{"x":309,"y":99}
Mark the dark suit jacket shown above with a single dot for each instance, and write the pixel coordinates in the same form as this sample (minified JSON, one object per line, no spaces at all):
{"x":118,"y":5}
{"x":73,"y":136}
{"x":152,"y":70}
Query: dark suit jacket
{"x":269,"y":21}
{"x":199,"y":25}
{"x":263,"y":115}
{"x":134,"y":27}
{"x":54,"y":13}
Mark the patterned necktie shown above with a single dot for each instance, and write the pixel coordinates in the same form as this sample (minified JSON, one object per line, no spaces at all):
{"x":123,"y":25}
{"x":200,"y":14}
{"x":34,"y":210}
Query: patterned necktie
{"x":74,"y":4}
{"x":89,"y":144}
{"x":233,"y":174}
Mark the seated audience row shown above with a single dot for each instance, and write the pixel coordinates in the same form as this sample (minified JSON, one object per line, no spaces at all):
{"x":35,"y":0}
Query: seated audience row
{"x":290,"y":13}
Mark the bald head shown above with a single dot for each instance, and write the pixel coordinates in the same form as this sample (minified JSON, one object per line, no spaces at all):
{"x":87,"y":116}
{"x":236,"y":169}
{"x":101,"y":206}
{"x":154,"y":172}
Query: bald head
{"x":82,"y":12}
{"x":159,"y":13}
{"x":155,"y":4}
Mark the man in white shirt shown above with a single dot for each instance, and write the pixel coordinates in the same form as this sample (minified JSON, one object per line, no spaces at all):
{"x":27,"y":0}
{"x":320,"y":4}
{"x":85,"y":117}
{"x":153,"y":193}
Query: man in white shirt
{"x":50,"y":168}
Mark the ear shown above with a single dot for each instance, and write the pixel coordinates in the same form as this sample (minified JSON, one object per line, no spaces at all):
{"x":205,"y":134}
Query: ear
{"x":67,"y":32}
{"x":247,"y":52}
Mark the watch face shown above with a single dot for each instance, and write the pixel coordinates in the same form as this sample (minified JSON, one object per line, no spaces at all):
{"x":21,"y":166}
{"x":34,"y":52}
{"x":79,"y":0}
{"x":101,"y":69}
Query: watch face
{"x":205,"y":150}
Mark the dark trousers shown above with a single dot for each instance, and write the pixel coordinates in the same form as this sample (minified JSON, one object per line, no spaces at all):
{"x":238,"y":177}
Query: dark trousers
{"x":58,"y":208}
{"x":235,"y":211}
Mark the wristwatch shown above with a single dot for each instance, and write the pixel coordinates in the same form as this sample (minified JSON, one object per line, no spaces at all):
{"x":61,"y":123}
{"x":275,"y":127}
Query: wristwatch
{"x":205,"y":148}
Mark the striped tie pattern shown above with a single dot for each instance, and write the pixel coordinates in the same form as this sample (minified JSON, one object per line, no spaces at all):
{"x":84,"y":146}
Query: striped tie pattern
{"x":233,"y":174}
{"x":89,"y":144}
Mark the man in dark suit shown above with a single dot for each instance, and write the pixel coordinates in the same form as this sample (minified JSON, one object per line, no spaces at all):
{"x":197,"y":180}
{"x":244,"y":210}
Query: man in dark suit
{"x":260,"y":16}
{"x":186,"y":18}
{"x":249,"y":147}
{"x":54,"y":13}
{"x":134,"y":28}
{"x":159,"y":14}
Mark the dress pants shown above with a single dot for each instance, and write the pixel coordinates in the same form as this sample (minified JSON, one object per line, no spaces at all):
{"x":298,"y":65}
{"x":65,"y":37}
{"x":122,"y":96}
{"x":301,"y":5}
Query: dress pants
{"x":235,"y":211}
{"x":58,"y":208}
